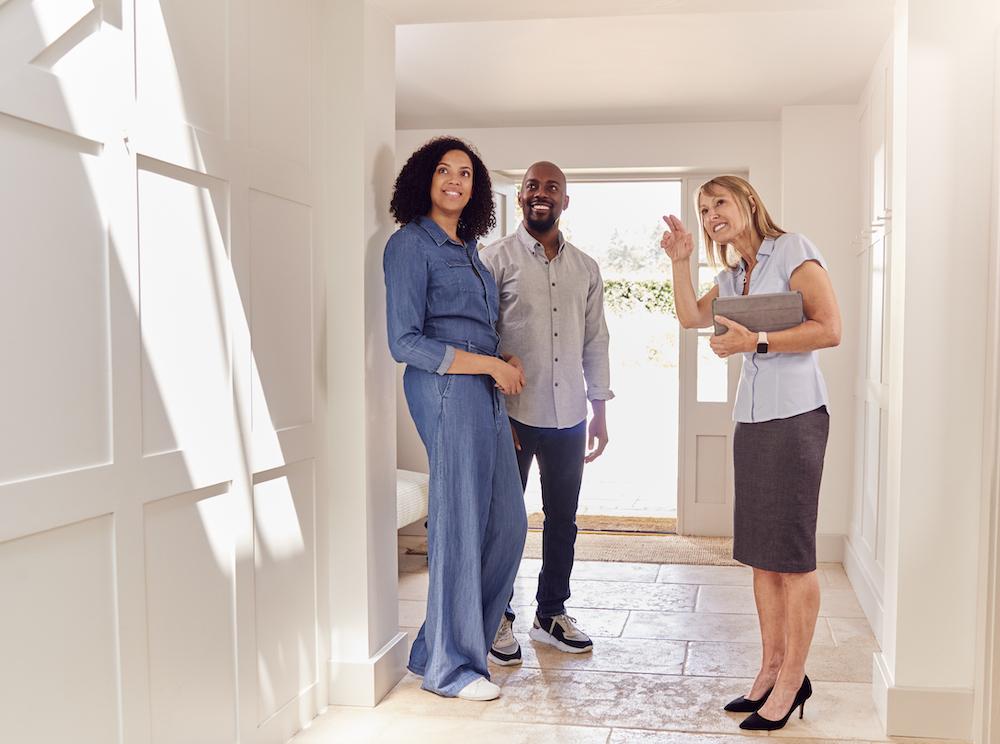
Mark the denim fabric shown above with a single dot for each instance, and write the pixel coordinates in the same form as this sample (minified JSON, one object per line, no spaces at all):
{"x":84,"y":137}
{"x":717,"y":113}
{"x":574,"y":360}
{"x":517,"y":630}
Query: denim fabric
{"x":440,"y":297}
{"x":560,"y":454}
{"x":476,"y":523}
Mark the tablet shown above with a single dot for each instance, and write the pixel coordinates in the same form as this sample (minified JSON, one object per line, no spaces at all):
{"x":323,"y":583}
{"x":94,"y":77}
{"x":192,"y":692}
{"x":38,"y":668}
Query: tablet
{"x":760,"y":312}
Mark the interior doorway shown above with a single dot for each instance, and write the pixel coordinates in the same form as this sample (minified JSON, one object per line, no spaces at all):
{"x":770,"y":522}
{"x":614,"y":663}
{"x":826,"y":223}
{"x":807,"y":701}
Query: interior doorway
{"x":632,"y":487}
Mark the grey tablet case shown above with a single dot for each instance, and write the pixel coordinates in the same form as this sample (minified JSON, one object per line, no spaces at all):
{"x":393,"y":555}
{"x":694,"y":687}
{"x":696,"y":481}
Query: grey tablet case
{"x":760,"y":312}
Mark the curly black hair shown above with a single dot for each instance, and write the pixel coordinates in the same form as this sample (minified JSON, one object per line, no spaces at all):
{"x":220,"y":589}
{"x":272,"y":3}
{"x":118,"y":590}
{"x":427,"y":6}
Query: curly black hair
{"x":411,"y":196}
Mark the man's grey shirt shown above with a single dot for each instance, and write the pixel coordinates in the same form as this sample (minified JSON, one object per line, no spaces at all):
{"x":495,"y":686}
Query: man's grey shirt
{"x":552,"y":317}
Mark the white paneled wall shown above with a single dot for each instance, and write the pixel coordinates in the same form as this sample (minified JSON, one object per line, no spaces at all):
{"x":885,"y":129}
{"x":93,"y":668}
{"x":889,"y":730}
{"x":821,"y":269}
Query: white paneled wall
{"x":160,"y":295}
{"x":865,"y":559}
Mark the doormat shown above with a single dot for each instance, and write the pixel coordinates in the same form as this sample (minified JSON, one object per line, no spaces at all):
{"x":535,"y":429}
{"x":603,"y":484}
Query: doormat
{"x":603,"y":523}
{"x":621,"y":548}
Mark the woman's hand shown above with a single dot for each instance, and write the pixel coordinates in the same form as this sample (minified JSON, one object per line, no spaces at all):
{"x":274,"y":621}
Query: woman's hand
{"x":676,"y":241}
{"x":514,"y":361}
{"x":509,"y":379}
{"x":737,"y":340}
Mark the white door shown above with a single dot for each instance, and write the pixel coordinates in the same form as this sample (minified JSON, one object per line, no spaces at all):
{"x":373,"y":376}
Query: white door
{"x":505,"y":204}
{"x":158,"y":305}
{"x":707,"y":391}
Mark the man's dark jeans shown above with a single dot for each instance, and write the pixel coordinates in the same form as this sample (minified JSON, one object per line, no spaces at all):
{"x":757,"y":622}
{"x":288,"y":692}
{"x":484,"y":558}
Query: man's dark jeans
{"x":560,"y":454}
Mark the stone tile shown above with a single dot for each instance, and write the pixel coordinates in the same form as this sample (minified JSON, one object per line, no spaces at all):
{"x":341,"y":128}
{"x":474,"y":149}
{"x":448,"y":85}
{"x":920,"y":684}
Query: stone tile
{"x":648,"y":701}
{"x":726,"y":599}
{"x":705,"y":626}
{"x":641,"y":656}
{"x":834,"y":576}
{"x":839,"y":603}
{"x":372,"y":726}
{"x":692,"y":626}
{"x":826,"y":663}
{"x":852,"y":632}
{"x":524,"y":591}
{"x":633,"y":736}
{"x":837,"y":710}
{"x":627,"y":595}
{"x":412,"y":613}
{"x":413,"y":585}
{"x":712,"y":575}
{"x":739,"y":599}
{"x":598,"y":570}
{"x":596,"y":623}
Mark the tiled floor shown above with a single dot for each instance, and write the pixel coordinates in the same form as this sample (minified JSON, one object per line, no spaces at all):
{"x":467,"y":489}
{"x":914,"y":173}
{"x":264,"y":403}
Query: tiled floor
{"x":672,"y":644}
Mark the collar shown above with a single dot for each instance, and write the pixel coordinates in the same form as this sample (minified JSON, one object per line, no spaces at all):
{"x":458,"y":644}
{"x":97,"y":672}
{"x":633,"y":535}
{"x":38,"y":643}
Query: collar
{"x":433,"y":229}
{"x":527,"y":240}
{"x":765,"y":250}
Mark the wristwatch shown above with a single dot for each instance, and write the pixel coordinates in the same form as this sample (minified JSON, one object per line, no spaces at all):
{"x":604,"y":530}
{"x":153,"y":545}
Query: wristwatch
{"x":761,"y":342}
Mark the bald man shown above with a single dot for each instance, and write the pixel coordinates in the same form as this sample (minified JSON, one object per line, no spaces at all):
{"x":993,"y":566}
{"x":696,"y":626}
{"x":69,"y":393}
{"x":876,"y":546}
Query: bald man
{"x":552,"y":318}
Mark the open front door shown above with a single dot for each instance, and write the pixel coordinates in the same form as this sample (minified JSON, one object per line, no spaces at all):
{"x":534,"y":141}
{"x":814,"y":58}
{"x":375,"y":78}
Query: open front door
{"x":707,"y":390}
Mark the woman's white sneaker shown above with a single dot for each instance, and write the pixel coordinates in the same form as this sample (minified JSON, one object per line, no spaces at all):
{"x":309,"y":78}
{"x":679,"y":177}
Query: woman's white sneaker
{"x":561,"y":631}
{"x":480,"y":689}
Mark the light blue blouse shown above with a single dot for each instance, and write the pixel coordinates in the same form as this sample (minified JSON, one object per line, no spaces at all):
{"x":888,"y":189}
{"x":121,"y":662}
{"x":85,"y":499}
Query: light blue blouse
{"x":775,"y":385}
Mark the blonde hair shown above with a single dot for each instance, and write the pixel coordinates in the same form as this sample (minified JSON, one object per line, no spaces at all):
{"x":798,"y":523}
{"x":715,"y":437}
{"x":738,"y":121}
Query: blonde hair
{"x":752,"y":208}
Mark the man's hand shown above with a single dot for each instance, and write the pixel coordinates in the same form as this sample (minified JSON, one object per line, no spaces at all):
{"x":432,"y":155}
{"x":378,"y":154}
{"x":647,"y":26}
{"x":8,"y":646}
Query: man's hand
{"x":737,"y":340}
{"x":597,"y":430}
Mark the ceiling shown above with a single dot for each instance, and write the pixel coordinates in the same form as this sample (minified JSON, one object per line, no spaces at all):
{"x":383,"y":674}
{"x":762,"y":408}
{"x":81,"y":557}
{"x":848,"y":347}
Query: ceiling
{"x":484,"y":63}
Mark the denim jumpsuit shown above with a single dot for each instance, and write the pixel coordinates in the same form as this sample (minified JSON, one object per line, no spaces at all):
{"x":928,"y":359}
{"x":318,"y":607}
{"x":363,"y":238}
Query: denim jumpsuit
{"x":439,"y":298}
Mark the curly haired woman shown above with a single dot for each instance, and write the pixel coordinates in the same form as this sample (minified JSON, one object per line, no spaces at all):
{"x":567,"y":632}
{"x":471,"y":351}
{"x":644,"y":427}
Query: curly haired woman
{"x":442,"y":306}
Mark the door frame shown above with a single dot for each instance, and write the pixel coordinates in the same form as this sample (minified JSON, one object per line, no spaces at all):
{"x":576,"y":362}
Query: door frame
{"x":718,"y":519}
{"x":988,"y":642}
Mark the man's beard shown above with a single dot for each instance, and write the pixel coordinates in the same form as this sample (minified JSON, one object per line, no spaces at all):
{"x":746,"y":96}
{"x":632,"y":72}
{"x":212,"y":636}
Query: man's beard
{"x":542,"y":225}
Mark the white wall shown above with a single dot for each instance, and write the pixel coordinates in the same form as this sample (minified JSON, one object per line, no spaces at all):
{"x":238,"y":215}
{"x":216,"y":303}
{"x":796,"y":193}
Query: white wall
{"x":162,"y":485}
{"x":819,"y":180}
{"x":943,"y":113}
{"x":368,"y":653}
{"x":785,"y":166}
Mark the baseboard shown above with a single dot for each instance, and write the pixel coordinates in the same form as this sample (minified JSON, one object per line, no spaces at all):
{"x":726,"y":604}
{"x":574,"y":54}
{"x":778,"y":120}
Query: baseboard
{"x":924,"y":712}
{"x":830,"y":548}
{"x":365,"y":683}
{"x":868,"y":592}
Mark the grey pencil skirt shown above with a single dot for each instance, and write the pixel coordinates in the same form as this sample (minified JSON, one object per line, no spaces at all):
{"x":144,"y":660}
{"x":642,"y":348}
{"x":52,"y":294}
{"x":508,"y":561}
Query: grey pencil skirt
{"x":778,"y":466}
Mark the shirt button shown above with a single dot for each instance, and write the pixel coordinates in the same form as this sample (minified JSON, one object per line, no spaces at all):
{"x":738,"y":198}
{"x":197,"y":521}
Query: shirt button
{"x":555,"y":334}
{"x":557,"y":359}
{"x":553,"y":284}
{"x":554,"y":309}
{"x":557,"y":384}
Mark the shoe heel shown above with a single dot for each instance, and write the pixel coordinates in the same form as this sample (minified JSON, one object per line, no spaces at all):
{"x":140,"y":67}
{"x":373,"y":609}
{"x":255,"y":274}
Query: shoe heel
{"x":802,"y":709}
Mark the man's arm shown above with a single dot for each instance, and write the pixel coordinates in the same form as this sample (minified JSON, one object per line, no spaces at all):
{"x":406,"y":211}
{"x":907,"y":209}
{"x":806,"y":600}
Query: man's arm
{"x":596,"y":366}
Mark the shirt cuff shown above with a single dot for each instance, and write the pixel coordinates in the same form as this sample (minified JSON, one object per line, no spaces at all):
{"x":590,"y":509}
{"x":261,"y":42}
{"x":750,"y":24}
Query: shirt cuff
{"x":604,"y":394}
{"x":449,"y":358}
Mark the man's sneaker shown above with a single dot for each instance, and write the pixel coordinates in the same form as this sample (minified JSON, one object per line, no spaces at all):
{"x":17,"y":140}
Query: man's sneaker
{"x":561,"y":631}
{"x":505,"y":651}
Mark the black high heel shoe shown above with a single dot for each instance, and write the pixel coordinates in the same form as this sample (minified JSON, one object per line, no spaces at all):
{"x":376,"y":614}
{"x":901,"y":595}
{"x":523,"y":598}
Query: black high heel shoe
{"x":757,"y":722}
{"x":746,"y":705}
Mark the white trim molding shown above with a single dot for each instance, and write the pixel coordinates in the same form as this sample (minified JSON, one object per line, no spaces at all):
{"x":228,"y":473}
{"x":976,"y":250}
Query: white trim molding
{"x":366,"y":682}
{"x":937,"y":713}
{"x":867,"y":588}
{"x":830,"y":548}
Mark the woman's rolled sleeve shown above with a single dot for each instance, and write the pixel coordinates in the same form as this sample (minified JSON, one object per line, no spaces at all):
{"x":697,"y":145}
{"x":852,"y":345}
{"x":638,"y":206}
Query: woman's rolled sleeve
{"x":405,"y":268}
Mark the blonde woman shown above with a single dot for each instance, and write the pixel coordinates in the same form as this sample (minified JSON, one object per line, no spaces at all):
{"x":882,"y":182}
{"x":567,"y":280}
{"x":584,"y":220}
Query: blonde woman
{"x":782,"y":424}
